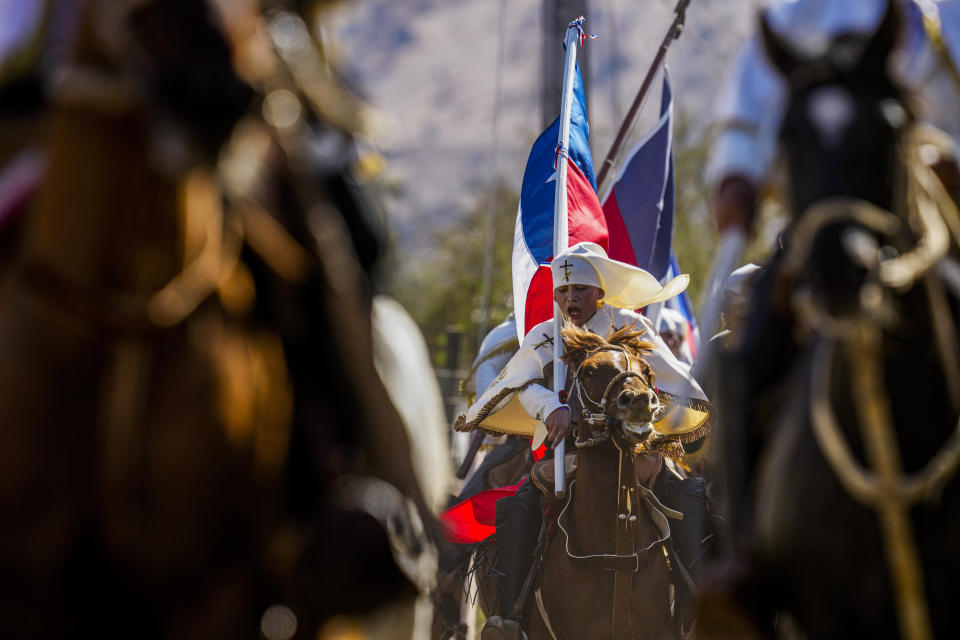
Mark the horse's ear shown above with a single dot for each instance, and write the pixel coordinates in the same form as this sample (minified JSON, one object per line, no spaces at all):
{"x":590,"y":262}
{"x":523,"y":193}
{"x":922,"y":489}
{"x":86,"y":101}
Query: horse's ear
{"x":883,"y":41}
{"x":780,"y":53}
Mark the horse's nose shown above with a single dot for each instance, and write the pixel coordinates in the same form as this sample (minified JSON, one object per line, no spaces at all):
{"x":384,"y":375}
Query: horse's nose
{"x":626,"y":399}
{"x":642,"y":401}
{"x":653,"y":402}
{"x":631,"y":399}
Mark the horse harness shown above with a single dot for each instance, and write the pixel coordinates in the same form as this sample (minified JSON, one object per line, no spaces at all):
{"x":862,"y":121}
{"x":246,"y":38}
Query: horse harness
{"x":631,"y":493}
{"x":885,"y":487}
{"x":598,"y":421}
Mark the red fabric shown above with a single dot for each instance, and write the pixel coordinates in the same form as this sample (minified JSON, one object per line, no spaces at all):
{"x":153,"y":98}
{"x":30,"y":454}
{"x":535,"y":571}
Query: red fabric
{"x":473,"y":519}
{"x":539,"y":299}
{"x":585,"y":219}
{"x":620,"y":246}
{"x":585,"y":223}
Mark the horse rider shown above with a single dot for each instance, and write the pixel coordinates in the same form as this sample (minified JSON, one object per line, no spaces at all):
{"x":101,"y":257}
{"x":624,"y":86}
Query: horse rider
{"x":736,"y":303}
{"x":671,"y":325}
{"x":598,"y":294}
{"x":743,"y":160}
{"x":496,"y":349}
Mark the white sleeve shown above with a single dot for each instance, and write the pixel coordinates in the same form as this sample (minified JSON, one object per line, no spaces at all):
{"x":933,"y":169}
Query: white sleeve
{"x":748,"y":118}
{"x":537,"y":400}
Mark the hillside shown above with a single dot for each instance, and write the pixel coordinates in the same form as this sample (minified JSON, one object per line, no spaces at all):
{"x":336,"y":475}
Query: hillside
{"x":430,"y":67}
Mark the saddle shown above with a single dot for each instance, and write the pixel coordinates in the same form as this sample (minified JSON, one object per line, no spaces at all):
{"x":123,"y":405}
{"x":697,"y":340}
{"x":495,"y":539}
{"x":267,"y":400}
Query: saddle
{"x":544,"y":473}
{"x":646,"y":468}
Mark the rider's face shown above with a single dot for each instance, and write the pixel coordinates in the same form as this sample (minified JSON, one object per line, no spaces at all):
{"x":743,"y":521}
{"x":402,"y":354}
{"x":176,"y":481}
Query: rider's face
{"x":578,"y":302}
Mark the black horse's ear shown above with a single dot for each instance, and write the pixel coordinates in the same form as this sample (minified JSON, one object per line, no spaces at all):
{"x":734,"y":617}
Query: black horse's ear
{"x":780,"y":53}
{"x":883,"y":41}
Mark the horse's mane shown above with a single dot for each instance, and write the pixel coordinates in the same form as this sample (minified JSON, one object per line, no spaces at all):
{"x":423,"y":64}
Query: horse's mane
{"x":579,"y":342}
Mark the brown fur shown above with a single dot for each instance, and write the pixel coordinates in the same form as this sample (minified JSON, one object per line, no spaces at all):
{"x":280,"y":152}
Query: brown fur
{"x":579,"y":342}
{"x":578,"y":602}
{"x":143,"y":469}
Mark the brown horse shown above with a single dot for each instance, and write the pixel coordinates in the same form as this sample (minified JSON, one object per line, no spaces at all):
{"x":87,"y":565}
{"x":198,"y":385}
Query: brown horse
{"x":604,"y":572}
{"x":604,"y":569}
{"x":188,"y":390}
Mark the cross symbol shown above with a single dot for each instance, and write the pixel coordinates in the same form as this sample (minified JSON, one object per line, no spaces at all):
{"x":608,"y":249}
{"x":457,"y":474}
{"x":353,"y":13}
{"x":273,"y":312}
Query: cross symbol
{"x":548,"y":341}
{"x":566,"y":270}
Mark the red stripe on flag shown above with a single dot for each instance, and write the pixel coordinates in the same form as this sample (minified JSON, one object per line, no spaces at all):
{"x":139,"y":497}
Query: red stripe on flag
{"x":539,"y":299}
{"x":620,"y":246}
{"x":691,"y":339}
{"x":586,"y":222}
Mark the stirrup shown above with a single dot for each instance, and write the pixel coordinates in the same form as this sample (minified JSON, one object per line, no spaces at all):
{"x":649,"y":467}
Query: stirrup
{"x":496,"y":628}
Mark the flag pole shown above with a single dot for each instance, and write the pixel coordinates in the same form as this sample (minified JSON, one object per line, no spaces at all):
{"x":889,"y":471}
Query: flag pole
{"x":676,"y":28}
{"x":561,"y":236}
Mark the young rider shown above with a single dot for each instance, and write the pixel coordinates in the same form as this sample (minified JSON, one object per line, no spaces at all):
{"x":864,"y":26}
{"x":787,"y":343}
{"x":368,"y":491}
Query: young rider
{"x":598,"y":294}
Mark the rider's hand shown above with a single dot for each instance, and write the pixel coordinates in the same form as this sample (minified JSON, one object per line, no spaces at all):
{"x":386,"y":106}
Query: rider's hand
{"x":734,"y":204}
{"x":558,"y":426}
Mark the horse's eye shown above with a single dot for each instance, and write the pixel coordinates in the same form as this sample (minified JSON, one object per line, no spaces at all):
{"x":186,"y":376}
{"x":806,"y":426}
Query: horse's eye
{"x":589,"y":371}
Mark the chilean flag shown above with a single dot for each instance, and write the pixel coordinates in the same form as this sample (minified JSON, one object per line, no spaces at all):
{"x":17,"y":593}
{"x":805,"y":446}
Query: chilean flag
{"x":639,"y":209}
{"x":533,"y":235}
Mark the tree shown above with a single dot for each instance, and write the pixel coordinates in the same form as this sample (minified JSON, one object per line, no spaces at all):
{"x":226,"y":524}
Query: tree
{"x":694,"y":231}
{"x":446,"y":291}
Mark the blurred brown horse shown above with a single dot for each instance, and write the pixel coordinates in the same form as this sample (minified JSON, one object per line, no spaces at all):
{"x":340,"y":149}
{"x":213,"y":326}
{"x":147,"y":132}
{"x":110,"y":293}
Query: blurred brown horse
{"x":191,"y":426}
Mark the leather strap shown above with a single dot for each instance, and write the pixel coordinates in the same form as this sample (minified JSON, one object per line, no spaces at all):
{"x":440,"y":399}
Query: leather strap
{"x":627,"y":523}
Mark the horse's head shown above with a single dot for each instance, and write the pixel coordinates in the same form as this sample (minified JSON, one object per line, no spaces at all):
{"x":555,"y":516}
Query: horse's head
{"x":849,"y":139}
{"x":844,"y":116}
{"x":612,"y":385}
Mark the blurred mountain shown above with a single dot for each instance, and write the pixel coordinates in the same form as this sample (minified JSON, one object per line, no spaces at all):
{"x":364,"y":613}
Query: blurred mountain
{"x":430,"y":66}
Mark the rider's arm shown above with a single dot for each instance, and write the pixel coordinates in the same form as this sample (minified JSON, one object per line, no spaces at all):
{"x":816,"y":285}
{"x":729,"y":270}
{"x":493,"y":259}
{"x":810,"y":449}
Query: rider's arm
{"x":538,"y":400}
{"x":743,"y":151}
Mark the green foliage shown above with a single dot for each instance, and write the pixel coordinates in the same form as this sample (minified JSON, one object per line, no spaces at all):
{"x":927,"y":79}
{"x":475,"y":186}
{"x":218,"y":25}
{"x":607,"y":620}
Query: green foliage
{"x":694,"y":231}
{"x":446,"y":293}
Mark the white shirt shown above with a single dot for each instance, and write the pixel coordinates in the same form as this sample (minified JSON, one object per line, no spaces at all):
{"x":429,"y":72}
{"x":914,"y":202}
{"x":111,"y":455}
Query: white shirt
{"x":523,"y":412}
{"x":751,"y":109}
{"x":672,"y":375}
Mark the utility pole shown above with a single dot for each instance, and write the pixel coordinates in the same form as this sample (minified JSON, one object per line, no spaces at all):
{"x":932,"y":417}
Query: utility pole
{"x":557,"y":14}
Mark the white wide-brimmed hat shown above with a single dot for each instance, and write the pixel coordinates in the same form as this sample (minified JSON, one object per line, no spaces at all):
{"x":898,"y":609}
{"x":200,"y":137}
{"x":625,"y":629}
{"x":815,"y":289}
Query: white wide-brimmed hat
{"x":624,"y":285}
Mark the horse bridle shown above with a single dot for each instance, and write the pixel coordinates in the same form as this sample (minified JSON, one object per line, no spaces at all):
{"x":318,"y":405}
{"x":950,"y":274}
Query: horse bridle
{"x":600,"y":420}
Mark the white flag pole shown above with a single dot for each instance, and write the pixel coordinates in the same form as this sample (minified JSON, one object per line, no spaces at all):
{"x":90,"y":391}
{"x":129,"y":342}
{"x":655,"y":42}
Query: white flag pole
{"x":561,"y":237}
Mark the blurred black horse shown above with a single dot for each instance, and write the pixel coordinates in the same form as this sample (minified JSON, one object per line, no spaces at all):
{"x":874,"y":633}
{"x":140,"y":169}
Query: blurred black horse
{"x":839,"y":410}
